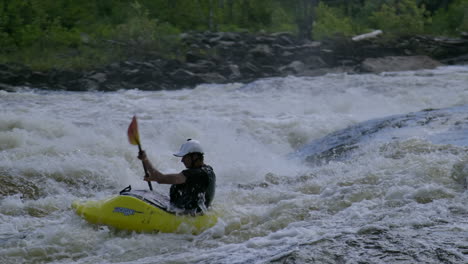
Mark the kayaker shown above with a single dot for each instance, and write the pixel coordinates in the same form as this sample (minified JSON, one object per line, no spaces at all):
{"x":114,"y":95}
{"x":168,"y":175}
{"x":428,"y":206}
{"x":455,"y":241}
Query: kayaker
{"x":192,"y":189}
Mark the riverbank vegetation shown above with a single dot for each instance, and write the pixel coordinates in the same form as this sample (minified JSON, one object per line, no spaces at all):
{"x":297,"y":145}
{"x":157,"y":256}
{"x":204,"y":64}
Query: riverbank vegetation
{"x":46,"y":34}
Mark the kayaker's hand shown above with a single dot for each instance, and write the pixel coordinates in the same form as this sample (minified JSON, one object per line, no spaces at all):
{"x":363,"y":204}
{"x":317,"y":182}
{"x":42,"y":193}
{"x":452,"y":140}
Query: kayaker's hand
{"x":142,"y":155}
{"x":146,"y":178}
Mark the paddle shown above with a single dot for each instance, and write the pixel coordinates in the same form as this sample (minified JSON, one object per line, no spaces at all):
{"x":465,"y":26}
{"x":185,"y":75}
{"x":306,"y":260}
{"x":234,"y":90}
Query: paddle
{"x":134,"y":139}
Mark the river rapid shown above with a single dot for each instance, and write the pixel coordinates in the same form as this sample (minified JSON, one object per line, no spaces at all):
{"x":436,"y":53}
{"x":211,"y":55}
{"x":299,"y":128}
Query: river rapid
{"x":394,"y":195}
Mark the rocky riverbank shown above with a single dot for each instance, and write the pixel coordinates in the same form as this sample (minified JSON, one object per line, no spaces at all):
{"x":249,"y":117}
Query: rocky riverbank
{"x":223,"y":57}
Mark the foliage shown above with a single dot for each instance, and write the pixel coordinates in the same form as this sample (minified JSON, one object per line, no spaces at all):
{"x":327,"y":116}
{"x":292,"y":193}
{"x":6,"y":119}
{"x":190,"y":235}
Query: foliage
{"x":77,"y":34}
{"x":451,"y":21}
{"x":281,"y":20}
{"x":402,"y":18}
{"x":331,"y":21}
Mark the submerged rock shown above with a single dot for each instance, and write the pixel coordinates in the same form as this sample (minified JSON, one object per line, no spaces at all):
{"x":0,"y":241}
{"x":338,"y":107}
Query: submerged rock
{"x":446,"y":126}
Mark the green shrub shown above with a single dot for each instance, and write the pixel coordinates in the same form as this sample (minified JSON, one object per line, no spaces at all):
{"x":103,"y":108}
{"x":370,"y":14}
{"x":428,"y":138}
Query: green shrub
{"x":403,"y":18}
{"x":281,"y":21}
{"x":451,"y":21}
{"x":331,"y":21}
{"x":144,"y":33}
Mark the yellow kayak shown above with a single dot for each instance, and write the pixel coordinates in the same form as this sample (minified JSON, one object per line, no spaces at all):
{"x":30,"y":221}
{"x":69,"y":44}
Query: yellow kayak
{"x":142,"y":211}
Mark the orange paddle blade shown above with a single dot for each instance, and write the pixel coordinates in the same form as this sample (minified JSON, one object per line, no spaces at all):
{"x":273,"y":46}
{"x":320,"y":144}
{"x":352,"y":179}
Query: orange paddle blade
{"x":133,"y":136}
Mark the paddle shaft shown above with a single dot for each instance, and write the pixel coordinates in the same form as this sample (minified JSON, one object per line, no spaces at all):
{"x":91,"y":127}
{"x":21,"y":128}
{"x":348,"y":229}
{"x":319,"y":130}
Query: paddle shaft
{"x":144,"y":167}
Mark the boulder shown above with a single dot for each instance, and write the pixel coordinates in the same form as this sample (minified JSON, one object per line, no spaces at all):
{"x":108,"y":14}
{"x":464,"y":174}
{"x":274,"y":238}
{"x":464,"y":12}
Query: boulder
{"x":459,"y":60}
{"x":192,"y":57}
{"x":183,"y":77}
{"x":261,"y":50}
{"x":98,"y":77}
{"x":6,"y":87}
{"x":212,"y":77}
{"x":398,"y":63}
{"x":9,"y":77}
{"x":234,"y":72}
{"x":294,"y":67}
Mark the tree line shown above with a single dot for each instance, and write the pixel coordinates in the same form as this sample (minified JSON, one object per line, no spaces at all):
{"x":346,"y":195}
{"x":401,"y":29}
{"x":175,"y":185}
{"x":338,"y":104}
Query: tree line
{"x":68,"y":33}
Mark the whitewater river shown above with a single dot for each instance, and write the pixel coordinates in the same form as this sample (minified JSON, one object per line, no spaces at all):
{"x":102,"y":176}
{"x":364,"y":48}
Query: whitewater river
{"x":331,"y":169}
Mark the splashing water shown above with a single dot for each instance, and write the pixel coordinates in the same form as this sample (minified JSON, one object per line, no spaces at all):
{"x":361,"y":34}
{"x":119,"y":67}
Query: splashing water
{"x":396,"y":195}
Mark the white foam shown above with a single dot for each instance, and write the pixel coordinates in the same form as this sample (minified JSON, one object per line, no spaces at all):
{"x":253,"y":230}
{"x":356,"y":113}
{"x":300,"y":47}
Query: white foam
{"x":74,"y":145}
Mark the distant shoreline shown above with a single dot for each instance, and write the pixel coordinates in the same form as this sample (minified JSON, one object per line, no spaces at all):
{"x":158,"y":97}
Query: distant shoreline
{"x":225,"y":57}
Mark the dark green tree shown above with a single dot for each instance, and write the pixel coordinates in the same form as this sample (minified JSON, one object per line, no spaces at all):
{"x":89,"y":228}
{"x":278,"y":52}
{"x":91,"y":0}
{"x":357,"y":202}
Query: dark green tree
{"x":304,"y":15}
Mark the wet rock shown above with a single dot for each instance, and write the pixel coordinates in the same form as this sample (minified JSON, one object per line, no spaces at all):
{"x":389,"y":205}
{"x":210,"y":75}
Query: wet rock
{"x":38,"y":77}
{"x":250,"y":68}
{"x":340,"y":145}
{"x":184,"y":77}
{"x":6,"y":87}
{"x":9,"y":77}
{"x":212,"y":78}
{"x":460,"y":60}
{"x":192,"y":57}
{"x":234,"y":72}
{"x":98,"y":77}
{"x":400,"y":63}
{"x":294,"y":67}
{"x":284,"y":38}
{"x":202,"y":66}
{"x":261,"y":51}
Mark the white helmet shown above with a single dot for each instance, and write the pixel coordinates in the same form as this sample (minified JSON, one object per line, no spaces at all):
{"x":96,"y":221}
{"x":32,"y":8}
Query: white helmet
{"x":191,"y":146}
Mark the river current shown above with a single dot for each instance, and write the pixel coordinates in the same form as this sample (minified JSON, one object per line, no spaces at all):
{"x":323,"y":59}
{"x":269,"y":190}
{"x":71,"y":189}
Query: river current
{"x":331,"y":169}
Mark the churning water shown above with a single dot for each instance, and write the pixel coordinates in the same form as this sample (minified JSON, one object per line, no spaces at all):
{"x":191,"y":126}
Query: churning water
{"x":331,"y":169}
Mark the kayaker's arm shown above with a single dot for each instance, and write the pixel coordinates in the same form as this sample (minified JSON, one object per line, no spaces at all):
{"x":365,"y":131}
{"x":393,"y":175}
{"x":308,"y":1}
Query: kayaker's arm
{"x":157,"y":176}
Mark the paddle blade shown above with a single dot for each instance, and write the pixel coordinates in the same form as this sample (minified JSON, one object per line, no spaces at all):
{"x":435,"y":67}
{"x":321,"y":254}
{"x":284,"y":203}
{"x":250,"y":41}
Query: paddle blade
{"x":133,"y":136}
